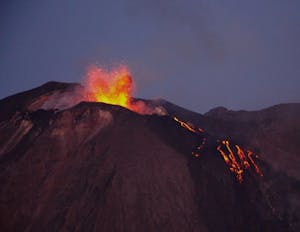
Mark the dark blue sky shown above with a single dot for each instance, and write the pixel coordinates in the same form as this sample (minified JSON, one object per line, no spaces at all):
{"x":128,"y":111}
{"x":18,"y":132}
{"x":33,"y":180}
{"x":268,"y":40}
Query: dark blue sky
{"x":198,"y":54}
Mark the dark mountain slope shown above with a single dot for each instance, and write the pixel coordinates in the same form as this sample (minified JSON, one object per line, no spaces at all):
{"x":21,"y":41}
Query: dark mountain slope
{"x":95,"y":167}
{"x":25,"y":100}
{"x":275,"y":131}
{"x":98,"y":167}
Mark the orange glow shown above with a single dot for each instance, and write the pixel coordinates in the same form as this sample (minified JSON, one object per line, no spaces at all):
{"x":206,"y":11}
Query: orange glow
{"x":233,"y":155}
{"x":223,"y":154}
{"x":195,"y":154}
{"x":185,"y":125}
{"x":242,"y":157}
{"x":115,"y":87}
{"x":237,"y":166}
{"x":231,"y":161}
{"x":202,"y":144}
{"x":112,"y":87}
{"x":250,"y":154}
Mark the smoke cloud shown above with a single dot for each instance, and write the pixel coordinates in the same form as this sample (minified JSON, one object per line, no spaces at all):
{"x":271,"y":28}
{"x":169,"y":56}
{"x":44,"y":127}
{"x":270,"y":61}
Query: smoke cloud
{"x":64,"y":100}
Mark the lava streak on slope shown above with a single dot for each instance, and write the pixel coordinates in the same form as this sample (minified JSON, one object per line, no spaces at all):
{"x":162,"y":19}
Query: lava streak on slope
{"x":237,"y":161}
{"x":233,"y":156}
{"x":187,"y":126}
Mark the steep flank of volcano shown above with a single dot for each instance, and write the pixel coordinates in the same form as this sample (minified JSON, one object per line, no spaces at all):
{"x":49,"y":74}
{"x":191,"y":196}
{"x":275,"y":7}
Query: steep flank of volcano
{"x":274,"y":132}
{"x":100,"y":167}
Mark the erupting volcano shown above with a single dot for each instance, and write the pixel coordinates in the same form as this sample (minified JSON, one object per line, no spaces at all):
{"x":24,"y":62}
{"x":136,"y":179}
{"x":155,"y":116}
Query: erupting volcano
{"x":116,"y":87}
{"x":75,"y":157}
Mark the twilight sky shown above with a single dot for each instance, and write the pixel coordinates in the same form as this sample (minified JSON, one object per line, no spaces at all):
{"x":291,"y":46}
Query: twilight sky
{"x":196,"y":53}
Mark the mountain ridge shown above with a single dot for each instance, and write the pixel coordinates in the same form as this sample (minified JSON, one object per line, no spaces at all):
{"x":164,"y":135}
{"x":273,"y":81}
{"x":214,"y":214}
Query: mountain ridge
{"x":100,"y":167}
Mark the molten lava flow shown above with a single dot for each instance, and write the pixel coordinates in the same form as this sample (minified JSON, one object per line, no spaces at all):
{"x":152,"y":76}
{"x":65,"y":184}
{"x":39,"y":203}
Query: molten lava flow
{"x":242,"y":157}
{"x":185,"y":125}
{"x":115,"y":87}
{"x":231,"y":161}
{"x":238,"y":166}
{"x":250,"y":154}
{"x":233,"y":156}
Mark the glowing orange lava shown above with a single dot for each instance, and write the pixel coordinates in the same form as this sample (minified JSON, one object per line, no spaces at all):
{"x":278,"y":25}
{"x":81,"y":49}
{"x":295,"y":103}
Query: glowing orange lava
{"x":234,"y":156}
{"x":240,"y":165}
{"x":112,"y":87}
{"x":116,"y":87}
{"x":185,"y":125}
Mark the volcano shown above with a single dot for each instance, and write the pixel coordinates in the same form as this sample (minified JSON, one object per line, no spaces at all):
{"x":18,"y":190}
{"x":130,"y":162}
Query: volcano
{"x":73,"y":165}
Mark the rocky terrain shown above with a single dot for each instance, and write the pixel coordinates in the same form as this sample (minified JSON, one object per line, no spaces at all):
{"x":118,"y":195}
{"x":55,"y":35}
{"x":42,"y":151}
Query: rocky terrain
{"x":67,"y":165}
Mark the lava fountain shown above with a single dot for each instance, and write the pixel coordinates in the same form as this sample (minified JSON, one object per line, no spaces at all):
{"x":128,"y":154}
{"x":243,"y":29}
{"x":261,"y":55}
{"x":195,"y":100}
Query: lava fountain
{"x":112,"y":87}
{"x":115,"y":87}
